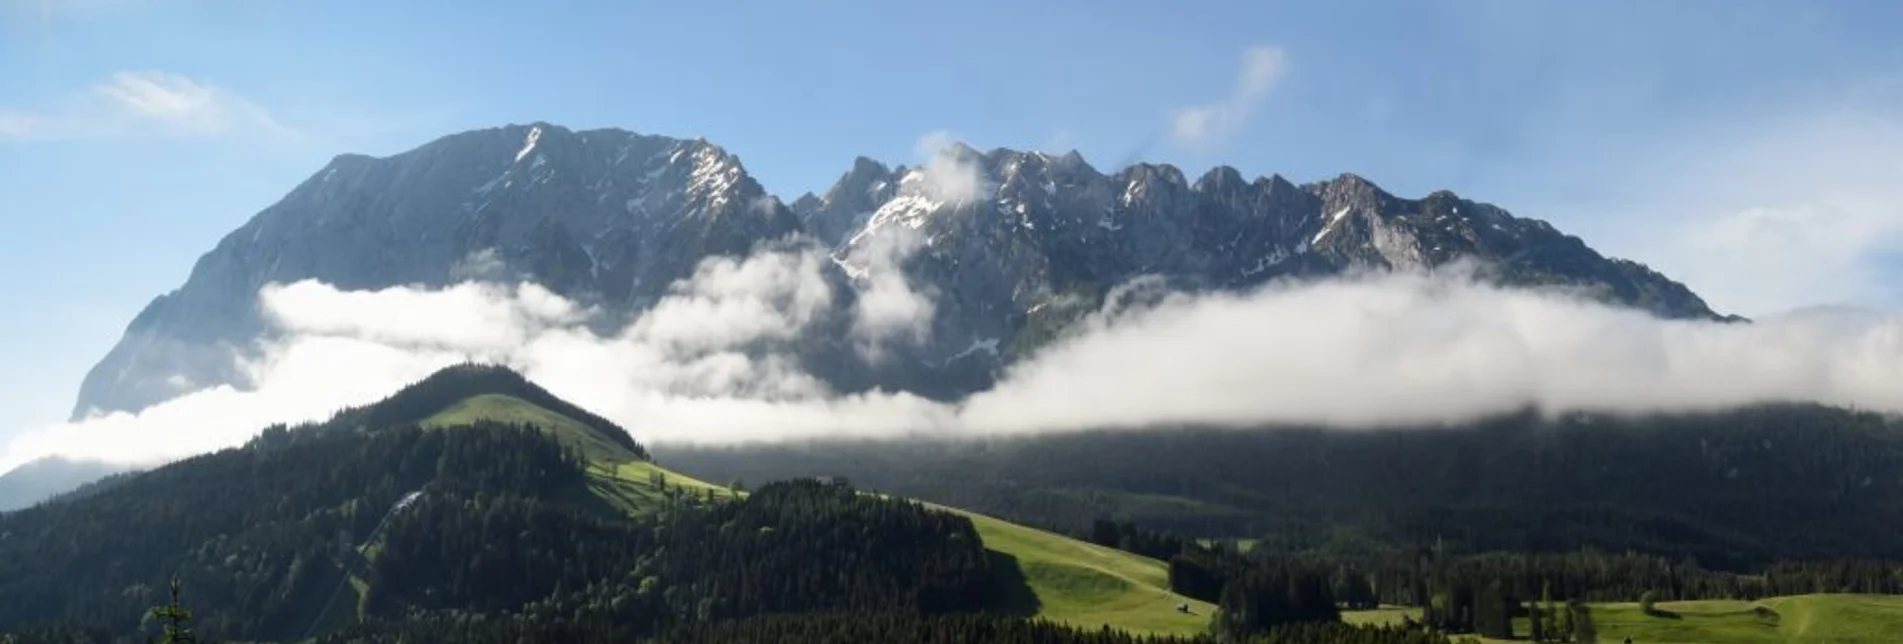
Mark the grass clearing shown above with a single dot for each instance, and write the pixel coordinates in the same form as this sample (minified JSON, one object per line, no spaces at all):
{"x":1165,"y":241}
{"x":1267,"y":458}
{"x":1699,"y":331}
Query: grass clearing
{"x":1799,"y":619}
{"x":636,"y":488}
{"x":1692,"y":622}
{"x":1090,"y":586}
{"x":1077,"y":582}
{"x":509,"y":409}
{"x":1383,"y":616}
{"x":1840,"y":618}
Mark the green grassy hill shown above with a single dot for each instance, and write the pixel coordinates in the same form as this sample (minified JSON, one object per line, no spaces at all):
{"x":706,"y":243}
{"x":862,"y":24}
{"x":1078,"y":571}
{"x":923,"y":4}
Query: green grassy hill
{"x":1840,"y":618}
{"x":504,"y":408}
{"x":1800,"y":619}
{"x":469,"y":392}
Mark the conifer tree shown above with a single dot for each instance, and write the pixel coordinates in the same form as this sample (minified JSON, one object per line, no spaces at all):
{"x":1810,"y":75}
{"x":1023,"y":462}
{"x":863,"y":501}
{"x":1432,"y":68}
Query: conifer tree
{"x":175,"y":617}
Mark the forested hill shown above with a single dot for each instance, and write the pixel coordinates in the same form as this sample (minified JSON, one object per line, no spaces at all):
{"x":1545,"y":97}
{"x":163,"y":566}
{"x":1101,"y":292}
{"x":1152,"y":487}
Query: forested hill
{"x":434,"y":502}
{"x":1738,"y":489}
{"x":279,"y":538}
{"x":474,"y":506}
{"x":443,"y":391}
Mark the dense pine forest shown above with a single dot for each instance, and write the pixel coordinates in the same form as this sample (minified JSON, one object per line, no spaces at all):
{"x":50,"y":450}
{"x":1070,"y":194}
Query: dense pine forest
{"x":258,"y":555}
{"x":1738,"y":490}
{"x":1403,"y":577}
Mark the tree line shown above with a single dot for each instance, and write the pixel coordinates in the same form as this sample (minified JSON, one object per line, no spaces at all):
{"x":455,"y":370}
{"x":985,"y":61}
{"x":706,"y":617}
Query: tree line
{"x":1481,"y":593}
{"x":1737,"y":490}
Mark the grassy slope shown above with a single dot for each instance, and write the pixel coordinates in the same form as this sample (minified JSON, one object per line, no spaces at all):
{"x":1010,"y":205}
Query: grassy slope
{"x":1075,"y":582}
{"x":633,"y":488}
{"x":1835,"y":619}
{"x":1801,"y":619}
{"x":1380,"y":616}
{"x":1090,"y":586}
{"x":509,"y":409}
{"x":1840,"y":618}
{"x":615,"y":475}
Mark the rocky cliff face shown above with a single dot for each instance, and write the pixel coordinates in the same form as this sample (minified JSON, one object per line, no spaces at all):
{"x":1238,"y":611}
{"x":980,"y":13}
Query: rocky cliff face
{"x":1029,"y":242}
{"x":604,"y":216}
{"x":1046,"y":237}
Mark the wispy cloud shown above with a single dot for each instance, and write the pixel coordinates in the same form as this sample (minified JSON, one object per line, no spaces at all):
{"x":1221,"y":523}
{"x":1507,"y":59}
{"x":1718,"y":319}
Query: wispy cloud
{"x":1803,"y":210}
{"x":950,"y":171}
{"x":1201,"y":125}
{"x":138,"y":104}
{"x":890,"y":307}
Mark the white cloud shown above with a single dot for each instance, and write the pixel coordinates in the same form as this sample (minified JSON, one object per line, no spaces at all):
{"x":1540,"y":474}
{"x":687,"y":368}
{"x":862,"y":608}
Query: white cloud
{"x":714,"y":362}
{"x":1803,"y":213}
{"x":1262,"y":67}
{"x":141,"y":104}
{"x":305,"y":379}
{"x":1759,"y":215}
{"x":730,"y":303}
{"x":1768,"y":258}
{"x":1405,"y":349}
{"x":951,"y":172}
{"x":890,"y":308}
{"x":469,"y":316}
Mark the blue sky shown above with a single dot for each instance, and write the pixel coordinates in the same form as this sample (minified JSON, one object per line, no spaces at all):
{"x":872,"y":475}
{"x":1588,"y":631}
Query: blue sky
{"x":1747,"y":148}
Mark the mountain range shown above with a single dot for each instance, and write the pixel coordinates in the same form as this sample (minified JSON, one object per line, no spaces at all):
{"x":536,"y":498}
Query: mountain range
{"x":475,"y":506}
{"x":1010,"y":246}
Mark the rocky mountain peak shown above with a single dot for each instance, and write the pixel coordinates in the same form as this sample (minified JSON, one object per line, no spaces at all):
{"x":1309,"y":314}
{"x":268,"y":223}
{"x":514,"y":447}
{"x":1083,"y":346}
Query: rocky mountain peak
{"x":1221,"y":178}
{"x":867,"y":182}
{"x":1158,"y":173}
{"x":1013,"y":244}
{"x":1073,"y":161}
{"x":806,"y":204}
{"x":1351,"y":191}
{"x":850,"y":201}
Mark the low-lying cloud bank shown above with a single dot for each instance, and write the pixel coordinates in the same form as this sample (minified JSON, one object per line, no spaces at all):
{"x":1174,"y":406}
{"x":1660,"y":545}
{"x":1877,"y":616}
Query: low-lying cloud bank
{"x":713,"y":363}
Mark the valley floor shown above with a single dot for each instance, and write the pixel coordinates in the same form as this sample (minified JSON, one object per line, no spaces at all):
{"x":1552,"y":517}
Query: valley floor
{"x":1801,"y":619}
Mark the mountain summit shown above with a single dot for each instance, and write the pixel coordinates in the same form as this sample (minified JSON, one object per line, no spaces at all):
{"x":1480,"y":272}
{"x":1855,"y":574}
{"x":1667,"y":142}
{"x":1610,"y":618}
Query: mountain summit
{"x":604,"y":216}
{"x":612,"y":218}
